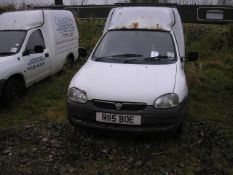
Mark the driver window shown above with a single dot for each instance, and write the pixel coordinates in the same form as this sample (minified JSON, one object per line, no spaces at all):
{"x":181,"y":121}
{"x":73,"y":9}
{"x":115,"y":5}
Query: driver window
{"x":35,"y":39}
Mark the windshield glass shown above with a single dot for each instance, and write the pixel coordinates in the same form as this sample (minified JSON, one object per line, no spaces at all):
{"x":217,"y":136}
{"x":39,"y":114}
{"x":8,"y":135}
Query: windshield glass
{"x":11,"y":42}
{"x":136,"y":46}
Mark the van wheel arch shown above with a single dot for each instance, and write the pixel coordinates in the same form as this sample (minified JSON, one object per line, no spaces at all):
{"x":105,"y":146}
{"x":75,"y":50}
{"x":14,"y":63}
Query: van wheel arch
{"x":14,"y":88}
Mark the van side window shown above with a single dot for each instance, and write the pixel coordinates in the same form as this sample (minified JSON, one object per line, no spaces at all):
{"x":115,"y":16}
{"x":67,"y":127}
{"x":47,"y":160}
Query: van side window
{"x":36,"y":39}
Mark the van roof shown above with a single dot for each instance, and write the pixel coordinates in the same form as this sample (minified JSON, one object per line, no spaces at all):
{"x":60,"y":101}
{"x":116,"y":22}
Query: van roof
{"x":153,"y":18}
{"x":21,"y":20}
{"x":148,"y":18}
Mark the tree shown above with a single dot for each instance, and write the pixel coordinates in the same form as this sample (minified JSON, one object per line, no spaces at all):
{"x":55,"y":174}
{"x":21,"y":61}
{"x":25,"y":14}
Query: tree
{"x":58,"y":2}
{"x":80,"y":2}
{"x":144,"y":1}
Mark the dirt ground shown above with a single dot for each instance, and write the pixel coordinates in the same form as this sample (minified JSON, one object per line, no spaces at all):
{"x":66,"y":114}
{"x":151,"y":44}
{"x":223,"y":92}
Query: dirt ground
{"x":47,"y":147}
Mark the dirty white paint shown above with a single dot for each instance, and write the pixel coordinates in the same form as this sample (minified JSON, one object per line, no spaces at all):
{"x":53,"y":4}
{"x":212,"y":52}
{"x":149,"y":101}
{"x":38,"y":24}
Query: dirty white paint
{"x":141,"y":18}
{"x":31,"y":19}
{"x":151,"y":18}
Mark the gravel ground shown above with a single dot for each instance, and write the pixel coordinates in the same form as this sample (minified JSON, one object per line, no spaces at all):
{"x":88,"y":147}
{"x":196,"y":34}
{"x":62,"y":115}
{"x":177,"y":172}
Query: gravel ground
{"x":56,"y":148}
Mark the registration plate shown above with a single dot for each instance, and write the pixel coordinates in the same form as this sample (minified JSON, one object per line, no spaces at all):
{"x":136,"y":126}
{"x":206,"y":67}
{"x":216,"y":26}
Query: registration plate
{"x":118,"y":118}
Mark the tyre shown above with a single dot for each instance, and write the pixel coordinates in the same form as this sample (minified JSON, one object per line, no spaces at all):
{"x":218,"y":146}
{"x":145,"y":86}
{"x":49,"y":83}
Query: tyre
{"x":14,"y":89}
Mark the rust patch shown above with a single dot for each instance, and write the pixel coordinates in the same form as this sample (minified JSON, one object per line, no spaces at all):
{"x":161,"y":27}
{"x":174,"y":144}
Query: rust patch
{"x":134,"y":25}
{"x":156,"y":27}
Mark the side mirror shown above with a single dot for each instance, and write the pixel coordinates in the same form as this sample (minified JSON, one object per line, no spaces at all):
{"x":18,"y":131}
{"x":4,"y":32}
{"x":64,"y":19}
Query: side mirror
{"x":39,"y":49}
{"x":25,"y":53}
{"x":82,"y":52}
{"x":192,"y":56}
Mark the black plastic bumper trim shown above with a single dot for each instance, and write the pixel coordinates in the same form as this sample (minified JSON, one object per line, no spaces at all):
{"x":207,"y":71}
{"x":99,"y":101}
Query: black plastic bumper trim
{"x":152,"y":121}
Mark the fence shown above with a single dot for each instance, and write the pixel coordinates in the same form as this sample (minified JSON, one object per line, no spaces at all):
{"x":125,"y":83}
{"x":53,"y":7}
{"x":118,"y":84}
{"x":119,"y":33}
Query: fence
{"x":189,"y":13}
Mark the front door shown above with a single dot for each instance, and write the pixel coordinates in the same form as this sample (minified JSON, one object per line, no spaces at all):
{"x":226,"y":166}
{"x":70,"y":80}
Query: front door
{"x":37,"y":63}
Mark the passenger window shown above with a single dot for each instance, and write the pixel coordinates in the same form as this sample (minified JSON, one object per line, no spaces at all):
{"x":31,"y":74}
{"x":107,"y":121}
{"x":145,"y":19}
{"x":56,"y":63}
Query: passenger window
{"x":36,"y":39}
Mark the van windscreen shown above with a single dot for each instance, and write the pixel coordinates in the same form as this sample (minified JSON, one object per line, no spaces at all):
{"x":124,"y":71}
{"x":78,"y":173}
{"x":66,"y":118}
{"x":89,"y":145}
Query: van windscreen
{"x":11,"y":42}
{"x":123,"y":45}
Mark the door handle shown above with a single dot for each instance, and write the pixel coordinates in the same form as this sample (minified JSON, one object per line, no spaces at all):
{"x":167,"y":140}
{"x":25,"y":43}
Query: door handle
{"x":47,"y":55}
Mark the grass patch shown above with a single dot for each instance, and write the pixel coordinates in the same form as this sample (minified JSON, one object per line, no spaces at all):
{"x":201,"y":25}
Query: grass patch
{"x":44,"y":100}
{"x":211,"y":79}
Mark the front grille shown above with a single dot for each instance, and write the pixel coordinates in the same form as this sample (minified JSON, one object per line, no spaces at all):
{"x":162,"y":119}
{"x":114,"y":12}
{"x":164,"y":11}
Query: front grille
{"x":121,"y":106}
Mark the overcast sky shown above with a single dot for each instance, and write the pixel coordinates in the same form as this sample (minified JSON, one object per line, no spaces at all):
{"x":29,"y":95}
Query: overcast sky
{"x":66,"y":2}
{"x":77,"y":2}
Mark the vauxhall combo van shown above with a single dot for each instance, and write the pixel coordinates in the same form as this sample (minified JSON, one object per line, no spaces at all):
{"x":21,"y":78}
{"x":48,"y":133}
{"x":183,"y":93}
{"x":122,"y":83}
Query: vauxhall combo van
{"x":34,"y":45}
{"x":134,"y":80}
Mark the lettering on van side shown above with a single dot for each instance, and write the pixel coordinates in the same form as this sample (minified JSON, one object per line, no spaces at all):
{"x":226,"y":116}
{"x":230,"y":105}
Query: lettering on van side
{"x":65,"y":25}
{"x":36,"y":62}
{"x":65,"y":37}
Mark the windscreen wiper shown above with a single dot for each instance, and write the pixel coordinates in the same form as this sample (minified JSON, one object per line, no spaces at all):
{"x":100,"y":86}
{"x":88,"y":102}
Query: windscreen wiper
{"x":149,"y":59}
{"x":127,"y":55}
{"x":105,"y":58}
{"x":159,"y":57}
{"x":116,"y":57}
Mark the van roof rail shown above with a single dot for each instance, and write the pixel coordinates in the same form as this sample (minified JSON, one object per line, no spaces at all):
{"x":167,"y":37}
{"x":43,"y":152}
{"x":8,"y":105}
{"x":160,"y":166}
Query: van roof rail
{"x":147,"y":4}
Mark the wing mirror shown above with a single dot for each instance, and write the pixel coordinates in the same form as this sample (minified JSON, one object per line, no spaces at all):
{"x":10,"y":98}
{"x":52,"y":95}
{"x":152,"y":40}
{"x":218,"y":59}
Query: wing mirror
{"x":192,"y":56}
{"x":39,"y":49}
{"x":25,"y":53}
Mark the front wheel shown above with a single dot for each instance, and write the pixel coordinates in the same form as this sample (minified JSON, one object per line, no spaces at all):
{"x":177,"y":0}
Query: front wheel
{"x":13,"y":90}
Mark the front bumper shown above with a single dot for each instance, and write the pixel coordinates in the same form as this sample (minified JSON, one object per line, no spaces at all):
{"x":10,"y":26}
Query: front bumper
{"x":2,"y":82}
{"x":153,"y":121}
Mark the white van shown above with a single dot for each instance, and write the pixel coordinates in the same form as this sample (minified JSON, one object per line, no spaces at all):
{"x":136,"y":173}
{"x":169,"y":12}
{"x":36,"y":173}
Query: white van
{"x":34,"y":45}
{"x":134,"y":80}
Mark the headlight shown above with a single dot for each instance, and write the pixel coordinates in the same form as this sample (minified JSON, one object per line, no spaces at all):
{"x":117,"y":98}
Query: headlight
{"x":167,"y":101}
{"x":77,"y":95}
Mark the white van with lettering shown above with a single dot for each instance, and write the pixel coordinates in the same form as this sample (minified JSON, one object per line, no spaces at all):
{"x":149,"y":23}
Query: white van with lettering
{"x":34,"y":45}
{"x":134,"y":80}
